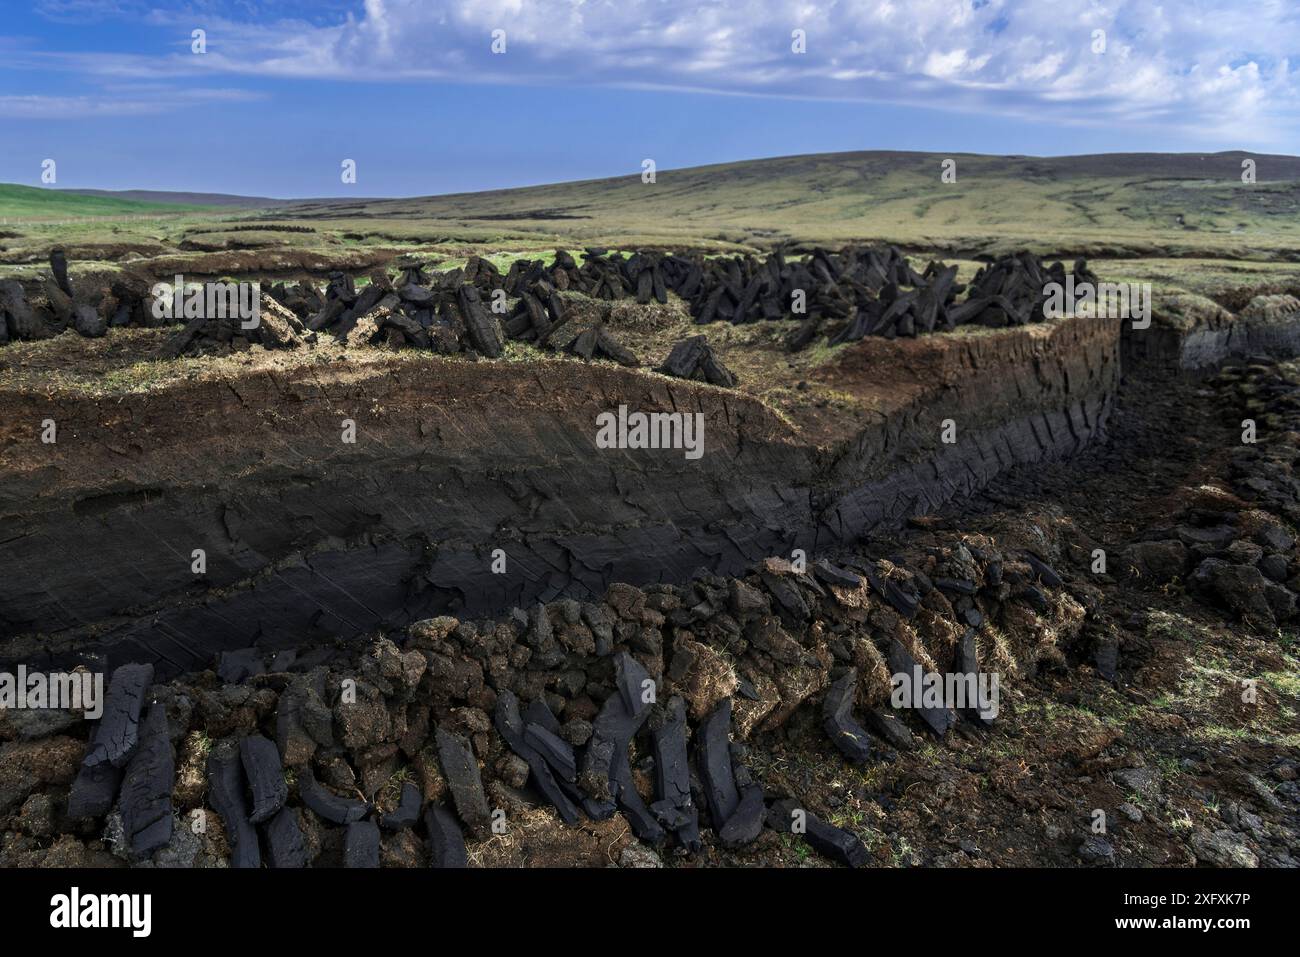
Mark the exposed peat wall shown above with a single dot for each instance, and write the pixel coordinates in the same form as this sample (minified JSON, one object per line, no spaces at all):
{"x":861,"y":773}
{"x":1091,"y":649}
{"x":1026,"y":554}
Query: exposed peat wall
{"x":307,"y":537}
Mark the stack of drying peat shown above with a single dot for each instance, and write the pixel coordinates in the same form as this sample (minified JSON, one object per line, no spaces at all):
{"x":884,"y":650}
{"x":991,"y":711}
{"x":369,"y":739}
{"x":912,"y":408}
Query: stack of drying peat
{"x":694,"y":358}
{"x":859,"y":292}
{"x":595,"y":342}
{"x":601,"y":276}
{"x":538,"y":314}
{"x":17,"y":318}
{"x":463,"y":310}
{"x":64,"y":308}
{"x":130,"y":302}
{"x":302,"y":299}
{"x":274,"y":327}
{"x":446,"y":316}
{"x":842,"y":296}
{"x":637,"y":704}
{"x":845,"y":295}
{"x":91,"y":312}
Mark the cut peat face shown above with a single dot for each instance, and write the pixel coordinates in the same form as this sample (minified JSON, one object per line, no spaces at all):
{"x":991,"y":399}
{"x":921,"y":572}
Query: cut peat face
{"x":327,"y":499}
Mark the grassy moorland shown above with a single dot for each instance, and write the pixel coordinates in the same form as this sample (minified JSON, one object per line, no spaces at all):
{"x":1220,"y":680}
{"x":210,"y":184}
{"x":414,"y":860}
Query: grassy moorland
{"x":1116,"y":204}
{"x":1187,"y":217}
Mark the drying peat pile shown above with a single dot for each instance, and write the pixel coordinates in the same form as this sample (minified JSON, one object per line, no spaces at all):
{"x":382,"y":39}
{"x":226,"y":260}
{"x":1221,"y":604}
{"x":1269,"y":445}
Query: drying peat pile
{"x":129,"y":303}
{"x":446,"y":317}
{"x":842,"y":296}
{"x":638,"y":705}
{"x":64,"y":307}
{"x":463,"y":310}
{"x":275,"y":328}
{"x":459,"y":311}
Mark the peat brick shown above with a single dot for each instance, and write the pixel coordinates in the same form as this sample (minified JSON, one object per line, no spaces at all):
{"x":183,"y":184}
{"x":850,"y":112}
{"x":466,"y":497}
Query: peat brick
{"x":326,"y":804}
{"x":673,"y":806}
{"x":713,"y":761}
{"x":226,"y":785}
{"x":446,"y":842}
{"x":938,"y":720}
{"x":460,"y":768}
{"x":826,"y":839}
{"x":838,"y":722}
{"x":746,"y":822}
{"x":146,"y":799}
{"x":510,"y":726}
{"x":119,"y":728}
{"x":286,"y":848}
{"x":361,"y":845}
{"x":261,"y":760}
{"x":408,"y":809}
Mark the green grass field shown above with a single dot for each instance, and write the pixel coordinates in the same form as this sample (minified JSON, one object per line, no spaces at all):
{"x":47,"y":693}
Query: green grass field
{"x":29,"y":203}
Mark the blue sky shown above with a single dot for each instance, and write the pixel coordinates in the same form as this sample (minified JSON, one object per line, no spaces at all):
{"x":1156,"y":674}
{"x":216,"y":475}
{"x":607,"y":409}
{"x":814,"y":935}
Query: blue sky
{"x":412,"y":91}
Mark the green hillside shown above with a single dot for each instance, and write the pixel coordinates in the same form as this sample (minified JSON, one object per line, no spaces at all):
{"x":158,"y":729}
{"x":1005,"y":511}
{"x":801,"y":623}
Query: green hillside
{"x":31,"y":203}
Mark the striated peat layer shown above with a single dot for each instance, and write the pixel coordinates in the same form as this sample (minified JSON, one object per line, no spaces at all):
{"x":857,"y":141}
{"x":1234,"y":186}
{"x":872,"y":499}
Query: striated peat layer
{"x":308,"y":537}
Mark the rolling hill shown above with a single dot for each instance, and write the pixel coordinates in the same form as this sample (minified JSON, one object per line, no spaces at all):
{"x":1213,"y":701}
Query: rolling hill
{"x":183,"y":198}
{"x":1138,"y":203}
{"x":29,"y":202}
{"x":1108,"y":206}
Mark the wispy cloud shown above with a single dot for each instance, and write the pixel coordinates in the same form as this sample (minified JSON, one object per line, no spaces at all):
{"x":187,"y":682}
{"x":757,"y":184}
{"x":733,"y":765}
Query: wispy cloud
{"x":116,"y":102}
{"x":1214,"y":66}
{"x":85,"y":11}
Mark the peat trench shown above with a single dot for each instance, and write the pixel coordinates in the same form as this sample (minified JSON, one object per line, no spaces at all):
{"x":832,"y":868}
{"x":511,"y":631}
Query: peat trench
{"x":469,"y":468}
{"x":592,"y":696}
{"x":307,"y":541}
{"x":638,"y":704}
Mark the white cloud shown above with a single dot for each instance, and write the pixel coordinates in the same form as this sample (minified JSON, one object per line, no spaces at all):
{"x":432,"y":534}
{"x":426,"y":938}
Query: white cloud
{"x":1215,"y":66}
